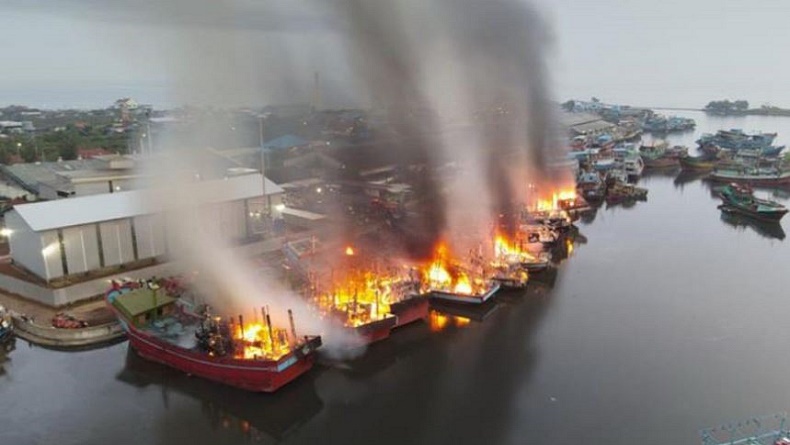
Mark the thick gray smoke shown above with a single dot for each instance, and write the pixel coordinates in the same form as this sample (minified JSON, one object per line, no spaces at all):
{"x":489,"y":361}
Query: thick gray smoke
{"x":424,"y":63}
{"x":480,"y":63}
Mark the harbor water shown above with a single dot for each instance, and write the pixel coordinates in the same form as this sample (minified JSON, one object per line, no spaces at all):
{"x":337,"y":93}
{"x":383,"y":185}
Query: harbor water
{"x":666,"y":319}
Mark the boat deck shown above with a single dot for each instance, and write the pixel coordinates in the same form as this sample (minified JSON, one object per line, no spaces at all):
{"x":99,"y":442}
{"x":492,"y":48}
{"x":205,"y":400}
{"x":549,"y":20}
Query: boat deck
{"x":178,"y":330}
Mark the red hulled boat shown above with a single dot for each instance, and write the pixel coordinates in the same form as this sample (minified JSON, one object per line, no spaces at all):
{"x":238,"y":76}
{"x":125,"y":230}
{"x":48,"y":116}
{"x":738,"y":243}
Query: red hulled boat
{"x":163,"y":328}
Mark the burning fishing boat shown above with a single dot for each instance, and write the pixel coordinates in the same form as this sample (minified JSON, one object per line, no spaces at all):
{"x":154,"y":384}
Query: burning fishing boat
{"x":454,"y":282}
{"x":408,"y":303}
{"x":164,"y":328}
{"x":364,"y":295}
{"x":358,"y":301}
{"x":514,"y":252}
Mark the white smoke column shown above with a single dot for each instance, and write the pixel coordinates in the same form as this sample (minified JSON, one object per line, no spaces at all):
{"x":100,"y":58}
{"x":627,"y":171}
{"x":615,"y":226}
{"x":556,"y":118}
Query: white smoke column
{"x":227,"y":279}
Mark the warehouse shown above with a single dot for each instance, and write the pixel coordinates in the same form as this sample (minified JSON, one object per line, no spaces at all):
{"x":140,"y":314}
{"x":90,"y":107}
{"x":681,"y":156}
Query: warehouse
{"x":99,"y":235}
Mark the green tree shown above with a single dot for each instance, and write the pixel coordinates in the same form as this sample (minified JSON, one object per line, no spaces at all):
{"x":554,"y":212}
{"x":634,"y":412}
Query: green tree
{"x":28,"y":153}
{"x":67,"y":146}
{"x":741,"y":105}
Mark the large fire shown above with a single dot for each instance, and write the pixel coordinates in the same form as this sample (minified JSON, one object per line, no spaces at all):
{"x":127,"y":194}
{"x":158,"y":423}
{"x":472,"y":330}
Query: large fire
{"x":444,"y":274}
{"x":559,"y":200}
{"x":509,"y":251}
{"x":363,"y":296}
{"x":259,"y":342}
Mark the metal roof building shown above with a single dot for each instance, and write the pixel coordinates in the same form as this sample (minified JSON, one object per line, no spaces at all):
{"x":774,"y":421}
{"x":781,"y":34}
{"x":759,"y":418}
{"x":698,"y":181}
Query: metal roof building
{"x":100,"y":233}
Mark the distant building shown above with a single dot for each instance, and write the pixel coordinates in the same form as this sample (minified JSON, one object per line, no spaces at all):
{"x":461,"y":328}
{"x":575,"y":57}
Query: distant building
{"x":585,"y":123}
{"x":81,"y":177}
{"x":10,"y":127}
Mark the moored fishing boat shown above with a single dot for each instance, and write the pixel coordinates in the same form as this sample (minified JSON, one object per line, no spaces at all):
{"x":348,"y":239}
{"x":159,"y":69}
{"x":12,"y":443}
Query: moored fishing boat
{"x":621,"y":192}
{"x":661,"y":161}
{"x":455,"y":282}
{"x":510,"y":276}
{"x":256,"y":357}
{"x":367,"y":298}
{"x":737,"y":139}
{"x":698,"y":163}
{"x":408,"y":303}
{"x":591,"y":187}
{"x":485,"y":294}
{"x":740,"y":198}
{"x":752,"y":175}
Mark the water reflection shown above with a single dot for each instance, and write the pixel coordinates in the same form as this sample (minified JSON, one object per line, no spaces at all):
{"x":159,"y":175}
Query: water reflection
{"x":477,"y":388}
{"x":687,"y":177}
{"x":589,"y":216}
{"x":404,"y":342}
{"x":769,"y":230}
{"x":666,"y":172}
{"x":252,"y":414}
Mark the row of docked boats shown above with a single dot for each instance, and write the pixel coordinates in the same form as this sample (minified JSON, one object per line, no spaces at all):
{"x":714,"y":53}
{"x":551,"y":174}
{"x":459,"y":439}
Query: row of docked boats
{"x":739,"y":157}
{"x":165,"y":322}
{"x":667,"y":124}
{"x":736,"y":140}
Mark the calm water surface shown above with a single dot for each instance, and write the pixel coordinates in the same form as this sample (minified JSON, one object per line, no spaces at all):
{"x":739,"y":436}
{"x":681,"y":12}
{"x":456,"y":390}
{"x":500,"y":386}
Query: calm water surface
{"x":668,"y":319}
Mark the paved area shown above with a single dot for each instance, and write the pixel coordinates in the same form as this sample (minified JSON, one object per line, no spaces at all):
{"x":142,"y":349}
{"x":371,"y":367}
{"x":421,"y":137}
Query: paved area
{"x":43,"y":314}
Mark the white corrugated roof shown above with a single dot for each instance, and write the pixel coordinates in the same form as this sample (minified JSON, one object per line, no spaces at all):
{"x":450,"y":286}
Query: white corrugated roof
{"x":68,"y":212}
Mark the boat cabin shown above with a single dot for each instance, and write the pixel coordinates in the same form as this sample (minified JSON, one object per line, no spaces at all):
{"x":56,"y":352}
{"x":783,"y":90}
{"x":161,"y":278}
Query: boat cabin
{"x":144,"y":305}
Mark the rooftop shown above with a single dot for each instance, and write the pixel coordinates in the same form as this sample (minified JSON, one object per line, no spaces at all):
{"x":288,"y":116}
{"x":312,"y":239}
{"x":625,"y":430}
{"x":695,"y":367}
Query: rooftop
{"x":30,"y":175}
{"x":48,"y":215}
{"x":141,"y":301}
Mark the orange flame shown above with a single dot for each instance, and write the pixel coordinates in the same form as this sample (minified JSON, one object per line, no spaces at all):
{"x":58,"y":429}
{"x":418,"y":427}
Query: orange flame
{"x":552,"y":203}
{"x":350,"y":251}
{"x":362,"y":296}
{"x":439,"y":322}
{"x":444,"y":274}
{"x":506,"y":250}
{"x":256,"y":343}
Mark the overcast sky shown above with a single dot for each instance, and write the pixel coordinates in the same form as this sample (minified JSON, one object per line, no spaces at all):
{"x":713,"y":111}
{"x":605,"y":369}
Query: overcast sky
{"x":89,"y":52}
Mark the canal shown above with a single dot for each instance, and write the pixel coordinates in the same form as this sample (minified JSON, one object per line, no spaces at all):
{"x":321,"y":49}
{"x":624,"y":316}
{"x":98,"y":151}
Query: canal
{"x":665,"y":319}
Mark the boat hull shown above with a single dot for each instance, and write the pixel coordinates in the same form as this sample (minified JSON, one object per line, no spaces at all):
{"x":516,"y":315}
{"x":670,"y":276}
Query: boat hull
{"x":661,"y":163}
{"x":751,"y":179}
{"x":774,"y":217}
{"x":697,"y":164}
{"x":375,"y":331}
{"x":250,"y":375}
{"x":410,"y":310}
{"x":507,"y":284}
{"x":463,"y":298}
{"x":535,"y":267}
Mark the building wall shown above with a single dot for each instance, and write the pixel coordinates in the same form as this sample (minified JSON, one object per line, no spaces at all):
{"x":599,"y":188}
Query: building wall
{"x":82,"y":248}
{"x":150,"y":233}
{"x":99,"y":187}
{"x":154,"y":236}
{"x":233,"y":220}
{"x":51,"y":254}
{"x":25,"y":244}
{"x":92,"y":288}
{"x":116,"y":242}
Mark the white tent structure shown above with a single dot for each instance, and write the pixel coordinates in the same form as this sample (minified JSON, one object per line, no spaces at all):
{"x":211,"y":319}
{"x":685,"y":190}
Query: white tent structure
{"x":77,"y":236}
